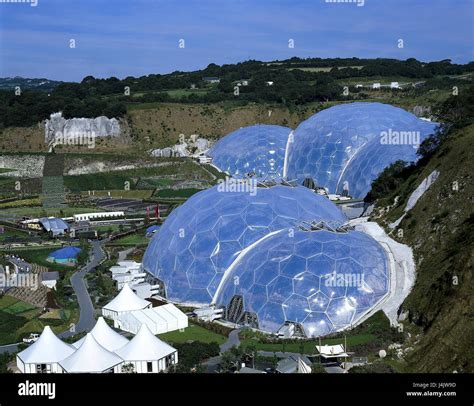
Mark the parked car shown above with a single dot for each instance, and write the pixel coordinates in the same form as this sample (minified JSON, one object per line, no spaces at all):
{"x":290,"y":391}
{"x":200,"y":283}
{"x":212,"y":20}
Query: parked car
{"x":31,"y":338}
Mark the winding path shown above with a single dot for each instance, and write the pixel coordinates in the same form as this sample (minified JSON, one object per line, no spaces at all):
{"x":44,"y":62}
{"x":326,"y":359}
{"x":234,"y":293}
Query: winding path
{"x":86,"y":318}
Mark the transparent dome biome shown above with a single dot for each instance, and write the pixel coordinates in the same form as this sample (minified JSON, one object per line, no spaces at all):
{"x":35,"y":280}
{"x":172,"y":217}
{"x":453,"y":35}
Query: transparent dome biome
{"x":345,"y":147}
{"x":323,"y":281}
{"x":202,"y":237}
{"x":258,"y":149}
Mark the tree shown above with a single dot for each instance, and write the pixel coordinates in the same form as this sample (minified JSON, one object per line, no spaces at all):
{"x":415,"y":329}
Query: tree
{"x":128,"y":368}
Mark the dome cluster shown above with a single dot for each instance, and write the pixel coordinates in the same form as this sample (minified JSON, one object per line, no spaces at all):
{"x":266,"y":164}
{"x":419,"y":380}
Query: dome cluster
{"x":201,"y":238}
{"x":279,"y":254}
{"x":344,"y":147}
{"x":348,"y":145}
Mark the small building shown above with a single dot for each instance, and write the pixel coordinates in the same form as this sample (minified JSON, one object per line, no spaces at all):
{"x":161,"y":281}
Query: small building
{"x":269,"y":83}
{"x":146,"y":290}
{"x":208,"y":313}
{"x":160,"y":319}
{"x":127,"y":272}
{"x":394,"y":85}
{"x":126,"y":301}
{"x":211,"y":79}
{"x":147,"y":353}
{"x":242,"y":82}
{"x":359,"y":86}
{"x":54,"y":226}
{"x":376,"y":86}
{"x":105,"y":336}
{"x":131,"y":278}
{"x":49,"y":279}
{"x":294,"y":364}
{"x":110,"y":215}
{"x":91,"y":357}
{"x":248,"y":370}
{"x":44,"y":355}
{"x":64,"y":256}
{"x":203,"y":159}
{"x":331,"y":352}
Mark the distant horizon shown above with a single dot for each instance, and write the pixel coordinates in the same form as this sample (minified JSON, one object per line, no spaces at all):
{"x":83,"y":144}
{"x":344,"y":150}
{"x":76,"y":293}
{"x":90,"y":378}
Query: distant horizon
{"x":69,"y":41}
{"x":199,"y":69}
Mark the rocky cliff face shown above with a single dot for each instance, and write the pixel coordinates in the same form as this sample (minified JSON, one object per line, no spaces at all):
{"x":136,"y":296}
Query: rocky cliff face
{"x":74,"y":127}
{"x":30,"y":166}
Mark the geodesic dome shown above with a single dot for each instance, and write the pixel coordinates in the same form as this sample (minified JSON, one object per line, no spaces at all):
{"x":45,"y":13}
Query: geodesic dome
{"x":350,"y":144}
{"x":258,"y":149}
{"x":323,"y":280}
{"x":200,"y":239}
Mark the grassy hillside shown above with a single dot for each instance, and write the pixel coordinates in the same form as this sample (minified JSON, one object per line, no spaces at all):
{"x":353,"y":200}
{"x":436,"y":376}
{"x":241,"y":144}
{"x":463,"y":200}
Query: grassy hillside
{"x":160,"y":124}
{"x":439,"y":229}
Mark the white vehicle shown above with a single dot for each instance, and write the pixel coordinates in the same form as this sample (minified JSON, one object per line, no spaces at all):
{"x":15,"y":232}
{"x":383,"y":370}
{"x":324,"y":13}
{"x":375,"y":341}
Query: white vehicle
{"x":31,"y":339}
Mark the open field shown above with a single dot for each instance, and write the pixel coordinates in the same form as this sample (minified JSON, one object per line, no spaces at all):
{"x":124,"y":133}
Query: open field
{"x":132,"y":239}
{"x":193,"y":333}
{"x":306,"y":347}
{"x":115,"y":180}
{"x":18,"y":319}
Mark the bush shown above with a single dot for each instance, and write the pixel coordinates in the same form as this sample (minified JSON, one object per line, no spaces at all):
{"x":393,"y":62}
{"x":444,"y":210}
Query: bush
{"x":378,"y":367}
{"x":192,"y":354}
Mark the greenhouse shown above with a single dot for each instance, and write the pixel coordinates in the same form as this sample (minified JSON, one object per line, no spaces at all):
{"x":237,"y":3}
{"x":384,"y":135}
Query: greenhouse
{"x":256,"y":150}
{"x":322,"y":281}
{"x":200,"y":239}
{"x":345,"y":147}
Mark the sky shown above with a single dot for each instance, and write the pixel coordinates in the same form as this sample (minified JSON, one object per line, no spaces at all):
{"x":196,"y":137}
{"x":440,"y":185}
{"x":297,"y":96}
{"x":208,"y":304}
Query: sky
{"x":139,"y":37}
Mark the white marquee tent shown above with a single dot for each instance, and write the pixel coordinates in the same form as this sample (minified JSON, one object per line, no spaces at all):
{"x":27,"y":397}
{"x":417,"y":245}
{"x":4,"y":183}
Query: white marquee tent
{"x":303,"y":367}
{"x":43,"y":355}
{"x":159,"y":320}
{"x":125,"y":301}
{"x":91,"y":357}
{"x":105,"y":336}
{"x":148,"y":353}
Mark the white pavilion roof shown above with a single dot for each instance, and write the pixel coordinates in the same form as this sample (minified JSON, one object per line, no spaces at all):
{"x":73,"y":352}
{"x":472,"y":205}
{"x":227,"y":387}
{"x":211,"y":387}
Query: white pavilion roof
{"x":329,"y":351}
{"x":105,"y":336}
{"x":127,"y":300}
{"x":145,"y":347}
{"x":46,"y":350}
{"x":90,"y":357}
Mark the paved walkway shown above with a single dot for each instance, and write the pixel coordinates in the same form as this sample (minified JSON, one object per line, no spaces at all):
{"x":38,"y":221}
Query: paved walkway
{"x":232,"y":341}
{"x":86,"y":319}
{"x":9,"y":348}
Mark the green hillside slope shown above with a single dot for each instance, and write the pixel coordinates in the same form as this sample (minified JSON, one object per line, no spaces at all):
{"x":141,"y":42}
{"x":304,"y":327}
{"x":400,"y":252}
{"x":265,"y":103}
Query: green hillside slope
{"x":440,"y":231}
